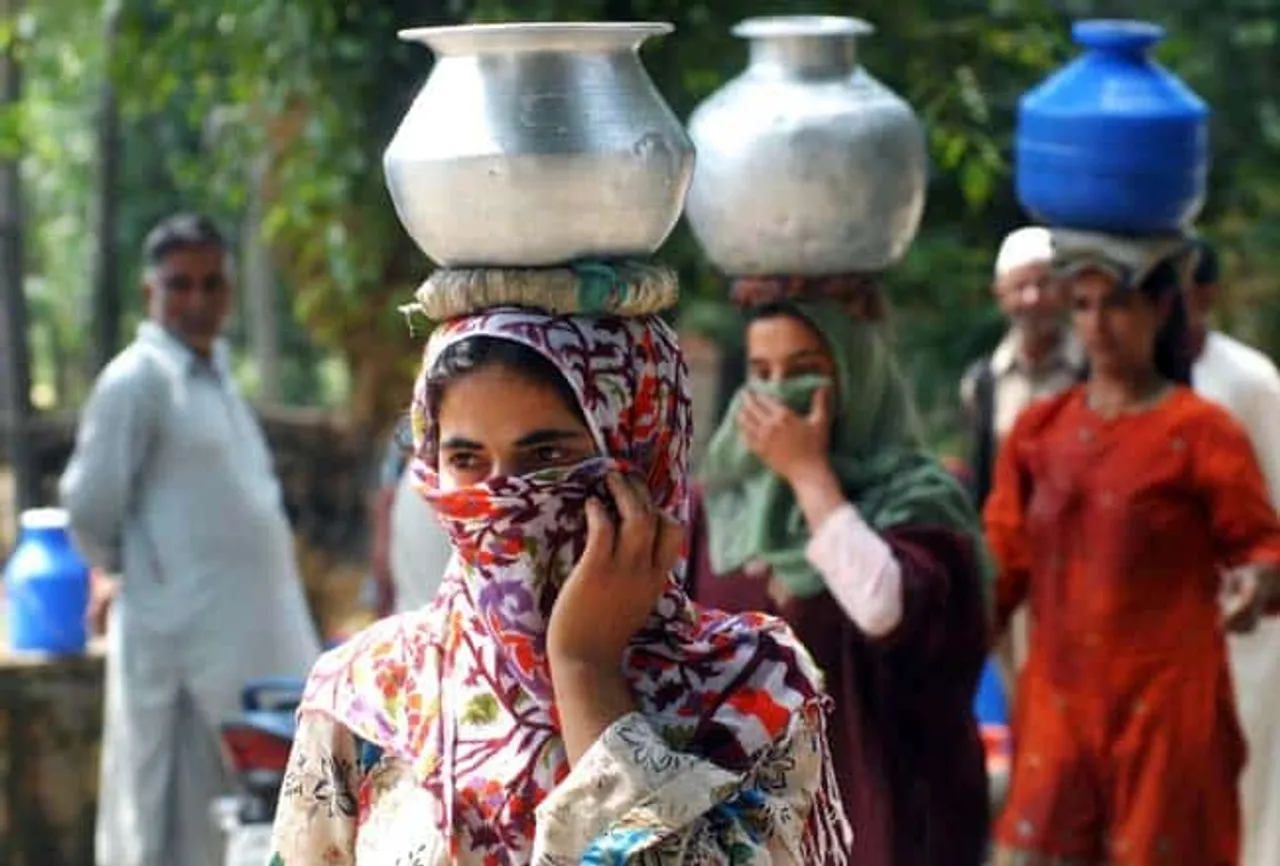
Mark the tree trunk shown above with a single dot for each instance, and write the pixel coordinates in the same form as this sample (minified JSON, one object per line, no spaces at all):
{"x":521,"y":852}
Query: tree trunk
{"x":14,"y":359}
{"x":258,"y":287}
{"x":103,"y":271}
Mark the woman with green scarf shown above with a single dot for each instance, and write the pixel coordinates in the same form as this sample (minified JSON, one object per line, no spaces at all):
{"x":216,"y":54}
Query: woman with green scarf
{"x":819,"y":503}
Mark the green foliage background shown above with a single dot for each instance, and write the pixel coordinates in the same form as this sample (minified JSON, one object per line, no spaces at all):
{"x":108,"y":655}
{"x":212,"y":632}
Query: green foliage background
{"x":314,"y":89}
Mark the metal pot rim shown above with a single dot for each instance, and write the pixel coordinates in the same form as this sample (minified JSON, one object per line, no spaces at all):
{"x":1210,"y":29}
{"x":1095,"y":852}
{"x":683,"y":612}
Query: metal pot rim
{"x":531,"y":36}
{"x":791,"y":26}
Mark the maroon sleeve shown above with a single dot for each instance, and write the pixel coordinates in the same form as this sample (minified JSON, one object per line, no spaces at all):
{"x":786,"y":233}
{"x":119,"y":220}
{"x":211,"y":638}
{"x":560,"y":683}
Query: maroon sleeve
{"x":942,"y":618}
{"x":906,"y":734}
{"x":698,"y":561}
{"x":943,"y":626}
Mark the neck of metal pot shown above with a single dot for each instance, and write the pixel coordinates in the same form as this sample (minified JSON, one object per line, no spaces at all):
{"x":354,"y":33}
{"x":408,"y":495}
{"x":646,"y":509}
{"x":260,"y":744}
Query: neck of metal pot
{"x":805,"y":57}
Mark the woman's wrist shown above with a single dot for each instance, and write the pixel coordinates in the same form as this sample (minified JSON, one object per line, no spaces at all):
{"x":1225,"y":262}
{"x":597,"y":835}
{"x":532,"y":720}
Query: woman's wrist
{"x":590,"y":696}
{"x":817,"y":491}
{"x":573,"y":670}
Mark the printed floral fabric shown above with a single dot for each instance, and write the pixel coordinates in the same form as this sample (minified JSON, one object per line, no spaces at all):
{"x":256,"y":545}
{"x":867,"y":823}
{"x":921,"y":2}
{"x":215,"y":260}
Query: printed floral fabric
{"x":630,"y":800}
{"x":726,"y":761}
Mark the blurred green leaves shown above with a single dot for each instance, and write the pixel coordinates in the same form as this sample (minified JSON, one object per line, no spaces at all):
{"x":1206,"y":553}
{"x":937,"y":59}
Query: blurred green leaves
{"x":300,"y":96}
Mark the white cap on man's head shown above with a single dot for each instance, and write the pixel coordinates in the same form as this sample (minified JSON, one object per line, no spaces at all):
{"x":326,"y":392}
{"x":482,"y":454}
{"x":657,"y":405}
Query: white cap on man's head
{"x":1030,"y":245}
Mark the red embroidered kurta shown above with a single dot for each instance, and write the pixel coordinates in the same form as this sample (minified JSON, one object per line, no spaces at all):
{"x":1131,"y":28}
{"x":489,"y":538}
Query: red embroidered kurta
{"x":1115,"y":533}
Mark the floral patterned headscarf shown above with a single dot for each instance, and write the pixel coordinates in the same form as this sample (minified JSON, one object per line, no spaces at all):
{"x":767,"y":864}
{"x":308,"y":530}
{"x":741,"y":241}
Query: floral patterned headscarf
{"x":461,"y":689}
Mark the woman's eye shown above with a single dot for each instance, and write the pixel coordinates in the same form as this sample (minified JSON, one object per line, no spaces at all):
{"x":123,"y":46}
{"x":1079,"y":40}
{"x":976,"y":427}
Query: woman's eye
{"x":462,"y":461}
{"x":550,"y":454}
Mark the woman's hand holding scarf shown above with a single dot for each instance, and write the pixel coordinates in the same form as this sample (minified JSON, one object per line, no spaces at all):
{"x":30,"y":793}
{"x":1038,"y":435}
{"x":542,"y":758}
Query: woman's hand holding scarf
{"x":606,"y":599}
{"x":796,"y":448}
{"x":793,"y":446}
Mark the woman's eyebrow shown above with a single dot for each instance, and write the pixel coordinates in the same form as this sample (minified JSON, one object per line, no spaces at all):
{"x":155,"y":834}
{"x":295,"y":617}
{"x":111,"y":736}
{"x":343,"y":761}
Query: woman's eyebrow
{"x":458,"y":443}
{"x":802,"y":355}
{"x":548,"y":437}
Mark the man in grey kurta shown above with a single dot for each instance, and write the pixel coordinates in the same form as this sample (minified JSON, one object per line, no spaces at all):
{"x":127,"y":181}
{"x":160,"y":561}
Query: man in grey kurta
{"x":171,"y":486}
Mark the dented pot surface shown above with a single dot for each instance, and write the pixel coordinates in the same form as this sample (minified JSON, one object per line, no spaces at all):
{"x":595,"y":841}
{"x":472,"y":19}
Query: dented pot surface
{"x":538,"y":144}
{"x":806,"y":163}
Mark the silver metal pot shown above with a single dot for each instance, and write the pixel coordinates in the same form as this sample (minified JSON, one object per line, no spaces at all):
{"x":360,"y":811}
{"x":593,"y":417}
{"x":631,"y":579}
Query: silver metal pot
{"x":807,"y":165}
{"x":538,"y":144}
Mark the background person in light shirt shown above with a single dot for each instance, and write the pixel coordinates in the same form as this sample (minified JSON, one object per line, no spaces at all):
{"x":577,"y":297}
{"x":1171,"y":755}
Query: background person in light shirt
{"x":1038,"y":358}
{"x":171,"y":486}
{"x":410,"y":547}
{"x":1246,"y":383}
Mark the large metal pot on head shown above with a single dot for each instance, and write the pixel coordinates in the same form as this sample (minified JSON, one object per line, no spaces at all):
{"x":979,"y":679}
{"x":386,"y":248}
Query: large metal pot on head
{"x":538,"y":144}
{"x":807,"y":164}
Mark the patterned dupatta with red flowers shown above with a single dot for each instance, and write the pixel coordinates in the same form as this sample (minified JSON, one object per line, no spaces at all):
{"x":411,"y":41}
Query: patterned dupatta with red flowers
{"x":461,"y":689}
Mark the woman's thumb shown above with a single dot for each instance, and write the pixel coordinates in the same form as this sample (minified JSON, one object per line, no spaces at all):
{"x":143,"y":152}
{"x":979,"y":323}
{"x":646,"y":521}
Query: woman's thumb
{"x":820,"y":406}
{"x":600,"y":531}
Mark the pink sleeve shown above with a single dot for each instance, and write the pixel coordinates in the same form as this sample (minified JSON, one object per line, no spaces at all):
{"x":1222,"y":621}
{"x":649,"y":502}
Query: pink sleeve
{"x":860,"y":571}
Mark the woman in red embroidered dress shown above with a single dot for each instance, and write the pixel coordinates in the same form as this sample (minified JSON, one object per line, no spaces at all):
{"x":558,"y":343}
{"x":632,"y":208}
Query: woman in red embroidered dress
{"x":1117,"y":508}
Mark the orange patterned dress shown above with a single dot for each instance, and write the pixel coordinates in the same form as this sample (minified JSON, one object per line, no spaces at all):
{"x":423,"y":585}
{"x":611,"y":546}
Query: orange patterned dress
{"x":1115,"y":532}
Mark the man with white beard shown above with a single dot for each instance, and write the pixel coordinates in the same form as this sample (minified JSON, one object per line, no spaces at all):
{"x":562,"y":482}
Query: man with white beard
{"x":1037,"y":358}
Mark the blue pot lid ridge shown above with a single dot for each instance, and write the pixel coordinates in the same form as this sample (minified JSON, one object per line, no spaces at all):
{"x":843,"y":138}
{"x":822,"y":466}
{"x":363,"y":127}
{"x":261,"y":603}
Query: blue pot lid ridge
{"x":1118,"y":35}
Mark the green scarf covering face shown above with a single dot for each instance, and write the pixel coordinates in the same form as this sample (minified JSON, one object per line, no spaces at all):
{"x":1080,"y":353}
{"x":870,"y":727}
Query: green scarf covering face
{"x":876,"y":451}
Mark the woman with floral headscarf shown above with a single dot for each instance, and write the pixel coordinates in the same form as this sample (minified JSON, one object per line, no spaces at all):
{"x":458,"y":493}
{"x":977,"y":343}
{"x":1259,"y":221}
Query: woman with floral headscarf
{"x":821,"y":504}
{"x":561,"y":701}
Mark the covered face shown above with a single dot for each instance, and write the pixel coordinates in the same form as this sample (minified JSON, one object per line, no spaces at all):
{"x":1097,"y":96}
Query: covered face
{"x":875,"y":448}
{"x":509,"y":457}
{"x":627,"y":380}
{"x":499,"y":408}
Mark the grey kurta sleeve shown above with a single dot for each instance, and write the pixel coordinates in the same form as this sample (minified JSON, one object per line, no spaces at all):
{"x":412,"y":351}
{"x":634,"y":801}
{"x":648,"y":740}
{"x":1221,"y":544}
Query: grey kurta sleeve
{"x":115,"y":432}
